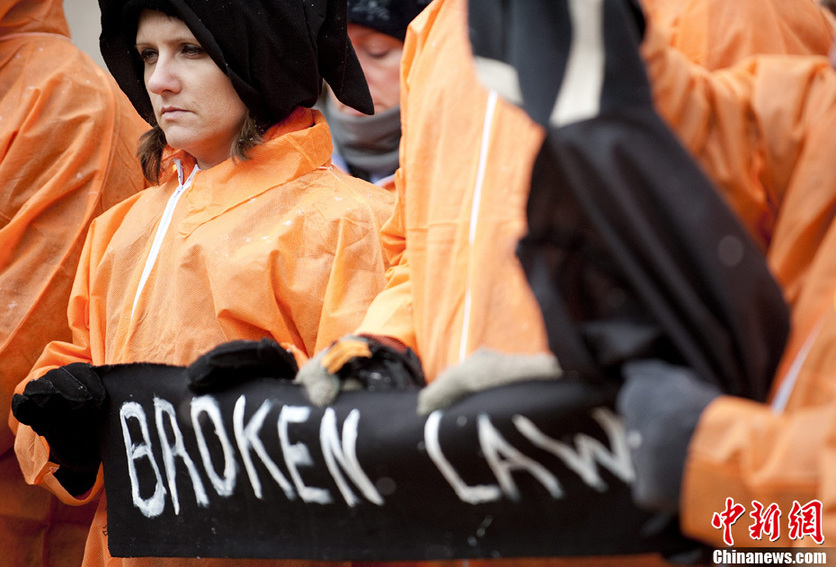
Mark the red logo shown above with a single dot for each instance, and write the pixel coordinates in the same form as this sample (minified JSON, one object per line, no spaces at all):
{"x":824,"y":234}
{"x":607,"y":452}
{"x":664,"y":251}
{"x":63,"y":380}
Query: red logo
{"x":725,"y":520}
{"x":802,"y":521}
{"x":766,"y":521}
{"x":806,"y":521}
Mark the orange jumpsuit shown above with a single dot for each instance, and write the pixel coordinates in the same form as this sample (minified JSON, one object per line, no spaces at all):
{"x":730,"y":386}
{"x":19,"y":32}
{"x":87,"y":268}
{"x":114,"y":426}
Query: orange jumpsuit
{"x":718,"y":33}
{"x":456,"y":283}
{"x":766,"y":127}
{"x":462,"y":188}
{"x":282,"y":245}
{"x":68,"y":138}
{"x":466,"y":157}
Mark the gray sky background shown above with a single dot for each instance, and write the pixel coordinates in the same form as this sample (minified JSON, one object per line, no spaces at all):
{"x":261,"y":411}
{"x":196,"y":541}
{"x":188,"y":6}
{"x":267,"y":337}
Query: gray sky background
{"x":83,"y":17}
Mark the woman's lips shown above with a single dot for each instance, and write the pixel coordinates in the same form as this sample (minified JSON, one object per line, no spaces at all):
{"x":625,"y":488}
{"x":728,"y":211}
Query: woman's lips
{"x":171,"y":112}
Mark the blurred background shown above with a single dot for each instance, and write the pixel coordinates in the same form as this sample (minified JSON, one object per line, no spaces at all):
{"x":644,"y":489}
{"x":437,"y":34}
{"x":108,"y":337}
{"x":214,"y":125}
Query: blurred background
{"x":83,"y":17}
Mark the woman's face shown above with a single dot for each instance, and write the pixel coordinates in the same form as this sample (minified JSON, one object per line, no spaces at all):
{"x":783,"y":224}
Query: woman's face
{"x":194,"y":102}
{"x":380,"y":57}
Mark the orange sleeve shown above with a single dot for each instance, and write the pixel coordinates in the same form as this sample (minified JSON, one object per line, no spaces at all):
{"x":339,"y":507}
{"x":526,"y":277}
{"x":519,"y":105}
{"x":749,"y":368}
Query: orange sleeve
{"x":32,"y":450}
{"x":711,"y":115}
{"x":759,"y":130}
{"x":390,"y":313}
{"x":357,"y":273}
{"x":68,"y":137}
{"x":745,"y":451}
{"x":60,"y":353}
{"x":762,"y":130}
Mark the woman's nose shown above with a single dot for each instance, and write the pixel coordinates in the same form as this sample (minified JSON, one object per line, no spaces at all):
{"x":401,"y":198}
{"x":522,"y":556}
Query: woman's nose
{"x":162,"y":77}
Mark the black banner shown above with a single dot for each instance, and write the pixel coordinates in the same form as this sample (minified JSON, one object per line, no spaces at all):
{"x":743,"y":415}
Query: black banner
{"x":533,"y":469}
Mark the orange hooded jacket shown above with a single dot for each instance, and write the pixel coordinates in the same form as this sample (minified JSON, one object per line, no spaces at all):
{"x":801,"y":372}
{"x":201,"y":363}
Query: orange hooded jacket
{"x":718,"y":33}
{"x":68,"y":138}
{"x":764,"y":130}
{"x":466,"y":158}
{"x":281,"y":245}
{"x":741,"y":29}
{"x":530,"y":143}
{"x":462,"y":189}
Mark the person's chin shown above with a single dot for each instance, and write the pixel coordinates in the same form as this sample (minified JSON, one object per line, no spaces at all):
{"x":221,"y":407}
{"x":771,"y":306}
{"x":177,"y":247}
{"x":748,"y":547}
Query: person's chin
{"x":178,"y":138}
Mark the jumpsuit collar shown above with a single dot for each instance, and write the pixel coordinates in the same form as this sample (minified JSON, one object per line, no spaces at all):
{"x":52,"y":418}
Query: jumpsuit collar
{"x":298,"y":145}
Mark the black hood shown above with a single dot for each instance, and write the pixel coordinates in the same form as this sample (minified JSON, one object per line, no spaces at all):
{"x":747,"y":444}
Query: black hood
{"x":275,"y":52}
{"x":631,"y":250}
{"x":390,"y":17}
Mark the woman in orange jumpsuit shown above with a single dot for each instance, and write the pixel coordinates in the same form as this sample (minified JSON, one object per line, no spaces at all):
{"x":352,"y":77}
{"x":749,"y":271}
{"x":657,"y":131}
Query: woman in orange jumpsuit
{"x":250,"y":234}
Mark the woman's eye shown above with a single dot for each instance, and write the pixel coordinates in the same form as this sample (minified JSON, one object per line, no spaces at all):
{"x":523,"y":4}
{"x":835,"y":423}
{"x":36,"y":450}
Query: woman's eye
{"x":376,"y":52}
{"x":190,"y":49}
{"x":147,"y":55}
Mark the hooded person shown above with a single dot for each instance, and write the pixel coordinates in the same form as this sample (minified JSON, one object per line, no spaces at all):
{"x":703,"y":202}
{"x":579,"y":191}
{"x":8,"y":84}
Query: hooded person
{"x":251,"y":237}
{"x":468,"y":273}
{"x":709,"y":454}
{"x":764,"y":126}
{"x":367,"y":146}
{"x":618,"y":208}
{"x":456,"y":290}
{"x":68,"y":137}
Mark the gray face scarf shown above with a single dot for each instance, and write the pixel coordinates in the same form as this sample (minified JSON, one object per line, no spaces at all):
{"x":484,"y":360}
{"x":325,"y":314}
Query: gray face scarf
{"x":368,"y":143}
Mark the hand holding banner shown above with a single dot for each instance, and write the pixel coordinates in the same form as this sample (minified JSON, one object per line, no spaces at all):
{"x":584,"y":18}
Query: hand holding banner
{"x":532,"y":469}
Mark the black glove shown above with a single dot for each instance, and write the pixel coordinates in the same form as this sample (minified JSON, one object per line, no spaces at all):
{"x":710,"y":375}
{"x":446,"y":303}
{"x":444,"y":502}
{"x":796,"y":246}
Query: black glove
{"x":360,"y":361}
{"x":662,"y":403}
{"x":387,"y":367}
{"x":237,"y":361}
{"x":65,"y":406}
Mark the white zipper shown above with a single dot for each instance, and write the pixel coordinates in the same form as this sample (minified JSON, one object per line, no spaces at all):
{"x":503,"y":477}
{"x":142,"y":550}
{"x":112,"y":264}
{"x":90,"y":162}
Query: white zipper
{"x":782,"y":396}
{"x":490,"y":110}
{"x":165,"y":221}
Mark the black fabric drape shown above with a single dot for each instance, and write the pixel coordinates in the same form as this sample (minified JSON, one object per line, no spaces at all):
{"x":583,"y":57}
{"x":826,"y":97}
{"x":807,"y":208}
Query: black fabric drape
{"x":631,"y":251}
